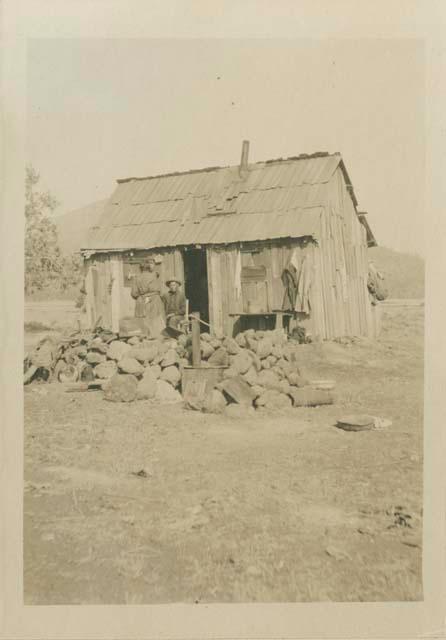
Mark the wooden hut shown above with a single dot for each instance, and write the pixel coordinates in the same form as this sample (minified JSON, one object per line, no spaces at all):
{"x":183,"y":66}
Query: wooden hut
{"x":229,"y":234}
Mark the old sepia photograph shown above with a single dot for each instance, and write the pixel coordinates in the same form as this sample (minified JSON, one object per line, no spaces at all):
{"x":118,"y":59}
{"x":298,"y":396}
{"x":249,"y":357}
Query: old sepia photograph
{"x":224,"y":321}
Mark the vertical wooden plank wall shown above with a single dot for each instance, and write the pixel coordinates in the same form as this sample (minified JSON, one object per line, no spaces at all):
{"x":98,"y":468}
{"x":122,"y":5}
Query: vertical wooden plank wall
{"x":116,"y":275}
{"x":215,"y":283}
{"x":344,"y":265}
{"x":171,"y":266}
{"x":90,"y":298}
{"x":101,"y":282}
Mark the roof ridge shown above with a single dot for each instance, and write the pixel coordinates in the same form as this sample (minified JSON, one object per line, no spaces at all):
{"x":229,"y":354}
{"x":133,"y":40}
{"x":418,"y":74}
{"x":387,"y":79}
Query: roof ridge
{"x":302,"y":156}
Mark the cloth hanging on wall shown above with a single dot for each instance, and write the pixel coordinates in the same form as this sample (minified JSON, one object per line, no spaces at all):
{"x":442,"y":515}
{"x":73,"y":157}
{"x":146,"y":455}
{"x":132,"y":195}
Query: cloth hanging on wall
{"x":303,"y":287}
{"x":290,"y":280}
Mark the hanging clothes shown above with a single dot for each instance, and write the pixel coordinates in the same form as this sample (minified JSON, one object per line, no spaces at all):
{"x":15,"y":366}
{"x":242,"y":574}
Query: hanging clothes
{"x":289,"y":280}
{"x":375,"y":284}
{"x":303,"y":287}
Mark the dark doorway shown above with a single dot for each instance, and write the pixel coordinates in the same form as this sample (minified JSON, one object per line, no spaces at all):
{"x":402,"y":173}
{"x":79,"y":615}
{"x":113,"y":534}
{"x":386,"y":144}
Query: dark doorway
{"x":196,"y":282}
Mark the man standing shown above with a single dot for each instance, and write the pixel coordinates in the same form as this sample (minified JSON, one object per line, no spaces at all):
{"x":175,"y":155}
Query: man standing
{"x":174,"y":304}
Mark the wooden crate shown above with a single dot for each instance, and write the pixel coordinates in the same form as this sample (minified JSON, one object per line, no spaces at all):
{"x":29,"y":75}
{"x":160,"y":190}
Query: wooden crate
{"x":196,"y":382}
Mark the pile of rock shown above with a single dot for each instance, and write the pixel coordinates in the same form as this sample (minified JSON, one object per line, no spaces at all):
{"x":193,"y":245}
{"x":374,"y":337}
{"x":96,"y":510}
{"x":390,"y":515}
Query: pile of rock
{"x":266,"y":367}
{"x":126,"y":368}
{"x":259,"y":369}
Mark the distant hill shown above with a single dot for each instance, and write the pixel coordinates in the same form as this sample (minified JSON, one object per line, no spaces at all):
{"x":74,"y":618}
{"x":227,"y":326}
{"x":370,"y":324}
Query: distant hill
{"x":73,"y":226}
{"x":404,"y":272}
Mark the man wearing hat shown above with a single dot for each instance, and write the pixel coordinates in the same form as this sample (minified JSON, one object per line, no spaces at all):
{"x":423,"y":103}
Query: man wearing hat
{"x":174,"y":303}
{"x":146,"y":290}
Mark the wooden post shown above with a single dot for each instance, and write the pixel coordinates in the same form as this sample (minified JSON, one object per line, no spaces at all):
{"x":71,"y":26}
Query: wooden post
{"x":90,"y":302}
{"x":115,"y":265}
{"x":196,"y":351}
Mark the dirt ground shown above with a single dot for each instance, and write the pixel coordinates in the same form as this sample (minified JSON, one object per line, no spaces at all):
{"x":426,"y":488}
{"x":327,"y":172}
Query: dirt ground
{"x":281,"y":507}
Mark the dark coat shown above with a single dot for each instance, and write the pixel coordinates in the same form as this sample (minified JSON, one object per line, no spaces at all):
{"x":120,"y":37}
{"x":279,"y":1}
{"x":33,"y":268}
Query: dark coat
{"x":174,"y":303}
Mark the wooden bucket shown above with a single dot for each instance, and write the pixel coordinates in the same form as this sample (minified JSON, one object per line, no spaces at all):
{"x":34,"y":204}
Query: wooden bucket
{"x":197,"y":382}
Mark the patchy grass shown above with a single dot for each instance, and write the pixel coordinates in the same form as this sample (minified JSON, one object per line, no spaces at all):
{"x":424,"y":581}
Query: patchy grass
{"x":280,"y":508}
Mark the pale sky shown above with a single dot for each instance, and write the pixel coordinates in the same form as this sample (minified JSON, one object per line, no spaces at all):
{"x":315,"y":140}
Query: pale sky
{"x":104,"y":109}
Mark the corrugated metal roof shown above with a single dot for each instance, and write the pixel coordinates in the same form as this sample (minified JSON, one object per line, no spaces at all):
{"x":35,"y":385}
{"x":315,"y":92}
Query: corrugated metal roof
{"x":275,"y":199}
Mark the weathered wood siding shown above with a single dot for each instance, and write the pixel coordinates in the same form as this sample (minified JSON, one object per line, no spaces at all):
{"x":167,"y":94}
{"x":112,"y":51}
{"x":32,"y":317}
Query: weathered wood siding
{"x":107,"y":294}
{"x":222,"y":269}
{"x":98,"y":284}
{"x":342,"y":266}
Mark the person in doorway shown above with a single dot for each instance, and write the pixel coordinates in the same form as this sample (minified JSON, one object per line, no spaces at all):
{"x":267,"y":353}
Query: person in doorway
{"x":149,"y":308}
{"x":174,"y":304}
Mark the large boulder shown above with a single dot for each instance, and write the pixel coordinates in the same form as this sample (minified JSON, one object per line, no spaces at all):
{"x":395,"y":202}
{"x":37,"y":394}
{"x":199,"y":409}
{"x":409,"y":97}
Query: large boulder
{"x":165,"y":393}
{"x":230,"y":372}
{"x":238,"y":390}
{"x":277,"y":351}
{"x":163,"y":346}
{"x":171,"y":375}
{"x":232,"y":345}
{"x":121,"y":388}
{"x":240,"y":341}
{"x":255,"y":359}
{"x":215,"y":402}
{"x":147,"y":387}
{"x":251,"y":343}
{"x":97,"y":345}
{"x":105,"y":370}
{"x":170,"y":358}
{"x":219,"y":358}
{"x":134,"y":340}
{"x":284,"y":364}
{"x":279,"y":338}
{"x":269,"y":380}
{"x":273,"y":400}
{"x":117,"y":350}
{"x":150,"y":343}
{"x":264,"y":347}
{"x":289,"y":353}
{"x":130,"y":365}
{"x":143,"y":354}
{"x":278,"y":371}
{"x":258,"y":390}
{"x":251,"y":376}
{"x":206,"y":349}
{"x":153,"y":370}
{"x":241,"y":362}
{"x":94,"y":357}
{"x":285,"y":387}
{"x":183,"y":340}
{"x":181,"y":350}
{"x":296,"y":380}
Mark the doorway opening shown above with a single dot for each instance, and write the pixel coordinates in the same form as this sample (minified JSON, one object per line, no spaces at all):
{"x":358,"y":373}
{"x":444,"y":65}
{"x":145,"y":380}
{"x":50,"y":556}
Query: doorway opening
{"x":196,"y":282}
